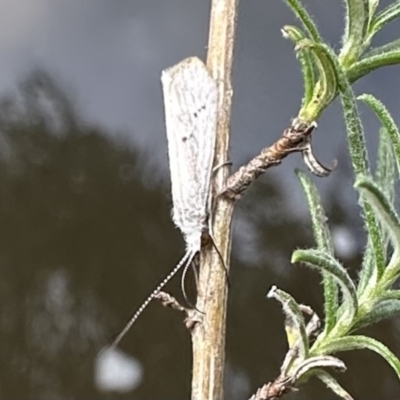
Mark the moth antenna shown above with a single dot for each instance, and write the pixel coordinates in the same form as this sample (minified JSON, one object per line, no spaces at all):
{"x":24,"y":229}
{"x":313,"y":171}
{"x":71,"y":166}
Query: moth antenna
{"x":188,"y":257}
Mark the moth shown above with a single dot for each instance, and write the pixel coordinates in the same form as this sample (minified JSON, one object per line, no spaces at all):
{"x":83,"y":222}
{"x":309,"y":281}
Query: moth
{"x":191,"y":110}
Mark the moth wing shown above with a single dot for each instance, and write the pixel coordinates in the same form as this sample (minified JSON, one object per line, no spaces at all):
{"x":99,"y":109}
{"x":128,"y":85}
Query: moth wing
{"x":190,"y":100}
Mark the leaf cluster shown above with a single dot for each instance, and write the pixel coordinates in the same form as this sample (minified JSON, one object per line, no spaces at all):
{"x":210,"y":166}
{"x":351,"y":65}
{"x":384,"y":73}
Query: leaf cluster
{"x":348,"y":305}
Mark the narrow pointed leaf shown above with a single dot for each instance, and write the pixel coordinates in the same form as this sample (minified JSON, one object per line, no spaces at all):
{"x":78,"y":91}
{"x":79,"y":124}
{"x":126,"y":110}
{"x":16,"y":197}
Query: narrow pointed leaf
{"x":305,"y":368}
{"x":386,"y":120}
{"x":384,"y":210}
{"x":324,"y":243}
{"x":359,"y":158}
{"x":295,"y":325}
{"x":391,"y":295}
{"x":326,"y":88}
{"x":361,"y":342}
{"x":326,"y":263}
{"x":386,"y":48}
{"x":368,"y":269}
{"x":303,"y":15}
{"x":390,"y":13}
{"x":372,"y":6}
{"x":355,"y":30}
{"x":306,"y":61}
{"x":333,"y":384}
{"x":384,"y":309}
{"x":385,"y":177}
{"x":369,"y":64}
{"x":386,"y":165}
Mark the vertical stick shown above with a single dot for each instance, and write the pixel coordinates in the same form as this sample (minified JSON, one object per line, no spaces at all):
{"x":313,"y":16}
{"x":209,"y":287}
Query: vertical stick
{"x":209,"y":337}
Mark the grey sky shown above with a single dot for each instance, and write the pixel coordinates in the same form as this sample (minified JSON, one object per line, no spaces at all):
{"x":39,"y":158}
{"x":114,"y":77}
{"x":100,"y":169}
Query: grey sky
{"x":109,"y":54}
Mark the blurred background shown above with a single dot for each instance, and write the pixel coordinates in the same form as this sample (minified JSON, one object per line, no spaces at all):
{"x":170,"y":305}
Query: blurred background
{"x":85,"y":227}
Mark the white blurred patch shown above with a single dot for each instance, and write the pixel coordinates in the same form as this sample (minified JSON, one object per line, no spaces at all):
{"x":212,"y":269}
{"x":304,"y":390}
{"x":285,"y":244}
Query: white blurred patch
{"x":238,"y":384}
{"x":117,"y":372}
{"x":344,"y":242}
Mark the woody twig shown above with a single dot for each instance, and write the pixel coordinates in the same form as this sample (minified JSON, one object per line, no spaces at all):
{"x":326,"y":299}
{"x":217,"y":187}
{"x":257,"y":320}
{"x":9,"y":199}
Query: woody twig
{"x":193,"y":316}
{"x":296,"y":138}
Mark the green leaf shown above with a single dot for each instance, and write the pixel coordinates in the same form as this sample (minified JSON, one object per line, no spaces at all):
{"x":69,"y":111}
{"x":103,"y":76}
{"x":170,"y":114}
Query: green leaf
{"x":372,"y":5}
{"x":305,"y":368}
{"x":303,"y":15}
{"x":384,"y":309}
{"x":368,"y":269}
{"x":369,"y":64}
{"x":355,"y":30}
{"x":324,"y":243}
{"x":386,"y":165}
{"x":294,"y":324}
{"x":319,"y":219}
{"x":358,"y":151}
{"x":326,"y":263}
{"x":358,"y":154}
{"x":333,"y":384}
{"x":391,"y":295}
{"x":306,"y":61}
{"x":361,"y":342}
{"x":386,"y":48}
{"x":390,"y":13}
{"x":383,"y":209}
{"x":326,"y":88}
{"x":386,"y":121}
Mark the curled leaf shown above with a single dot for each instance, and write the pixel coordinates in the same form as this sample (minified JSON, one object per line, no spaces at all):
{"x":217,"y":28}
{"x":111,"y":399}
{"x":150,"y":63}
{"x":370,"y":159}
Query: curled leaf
{"x":326,"y":88}
{"x":306,"y":61}
{"x":384,"y":211}
{"x":361,"y":342}
{"x":300,"y":11}
{"x":306,"y":367}
{"x":326,"y":263}
{"x":294,"y":324}
{"x":316,"y":167}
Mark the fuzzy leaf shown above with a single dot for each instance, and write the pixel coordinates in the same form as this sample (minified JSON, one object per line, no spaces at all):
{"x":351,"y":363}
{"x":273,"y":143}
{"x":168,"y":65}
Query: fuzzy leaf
{"x":386,"y":121}
{"x":368,"y":268}
{"x":382,"y":310}
{"x":303,"y":15}
{"x":390,"y":13}
{"x":386,"y":165}
{"x":306,"y":61}
{"x":359,"y":158}
{"x":326,"y":88}
{"x":369,"y":64}
{"x":308,"y":365}
{"x":324,"y":243}
{"x":326,"y":263}
{"x":391,"y":295}
{"x":355,"y":30}
{"x":294,"y":324}
{"x":361,"y":342}
{"x":333,"y":384}
{"x":384,"y":211}
{"x":386,"y":48}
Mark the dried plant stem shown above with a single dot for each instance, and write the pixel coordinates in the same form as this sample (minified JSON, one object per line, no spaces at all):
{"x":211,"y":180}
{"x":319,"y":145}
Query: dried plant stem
{"x":292,"y":140}
{"x":208,"y":337}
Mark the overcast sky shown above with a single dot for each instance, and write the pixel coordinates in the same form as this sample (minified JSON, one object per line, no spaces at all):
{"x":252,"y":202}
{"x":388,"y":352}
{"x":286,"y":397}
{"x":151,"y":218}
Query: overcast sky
{"x":109,"y":55}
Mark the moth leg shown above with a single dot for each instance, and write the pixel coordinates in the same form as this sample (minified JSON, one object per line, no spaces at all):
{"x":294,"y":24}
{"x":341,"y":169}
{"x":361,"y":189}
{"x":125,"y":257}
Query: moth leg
{"x":194,"y":263}
{"x":228,"y":283}
{"x":224,"y":164}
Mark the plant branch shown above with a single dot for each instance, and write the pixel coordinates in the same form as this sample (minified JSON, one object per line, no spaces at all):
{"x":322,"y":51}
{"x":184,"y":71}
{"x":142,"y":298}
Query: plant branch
{"x":208,"y":338}
{"x":296,"y":138}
